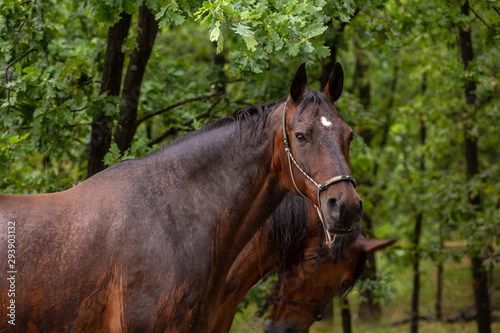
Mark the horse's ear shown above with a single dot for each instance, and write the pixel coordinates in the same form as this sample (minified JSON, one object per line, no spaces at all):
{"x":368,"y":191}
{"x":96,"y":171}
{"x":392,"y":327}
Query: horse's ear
{"x":335,"y":83}
{"x":372,"y":245}
{"x":299,"y":83}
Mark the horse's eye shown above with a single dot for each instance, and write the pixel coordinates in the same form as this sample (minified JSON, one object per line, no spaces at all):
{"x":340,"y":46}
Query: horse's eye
{"x":301,"y":137}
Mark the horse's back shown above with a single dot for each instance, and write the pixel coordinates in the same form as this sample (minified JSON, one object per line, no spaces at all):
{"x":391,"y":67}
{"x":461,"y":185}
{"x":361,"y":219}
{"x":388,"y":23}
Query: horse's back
{"x":80,"y":253}
{"x":55,"y":242}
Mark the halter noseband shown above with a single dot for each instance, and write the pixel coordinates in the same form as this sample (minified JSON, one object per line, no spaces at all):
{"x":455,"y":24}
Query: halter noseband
{"x":333,"y":180}
{"x":321,"y":308}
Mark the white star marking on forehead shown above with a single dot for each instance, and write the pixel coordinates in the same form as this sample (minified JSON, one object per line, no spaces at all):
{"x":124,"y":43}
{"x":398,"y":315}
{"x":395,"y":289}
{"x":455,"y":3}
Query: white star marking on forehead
{"x":325,"y":122}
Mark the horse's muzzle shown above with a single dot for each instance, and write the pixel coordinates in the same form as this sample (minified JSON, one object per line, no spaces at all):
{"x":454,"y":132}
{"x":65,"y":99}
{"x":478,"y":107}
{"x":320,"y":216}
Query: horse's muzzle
{"x":282,"y":327}
{"x":343,"y":213}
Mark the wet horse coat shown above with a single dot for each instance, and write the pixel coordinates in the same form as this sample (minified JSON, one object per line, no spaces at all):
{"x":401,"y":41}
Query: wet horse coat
{"x":147,"y":244}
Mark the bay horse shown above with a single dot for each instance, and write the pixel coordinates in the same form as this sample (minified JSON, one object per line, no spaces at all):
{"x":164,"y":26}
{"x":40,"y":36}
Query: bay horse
{"x":307,"y":286}
{"x":146,"y":245}
{"x":310,"y":273}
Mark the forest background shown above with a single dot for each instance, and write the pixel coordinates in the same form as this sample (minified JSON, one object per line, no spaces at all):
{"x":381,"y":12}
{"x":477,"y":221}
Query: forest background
{"x":87,"y":84}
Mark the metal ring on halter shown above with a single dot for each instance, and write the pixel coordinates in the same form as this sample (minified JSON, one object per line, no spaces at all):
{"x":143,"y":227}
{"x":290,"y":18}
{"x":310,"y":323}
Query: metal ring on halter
{"x":333,"y":180}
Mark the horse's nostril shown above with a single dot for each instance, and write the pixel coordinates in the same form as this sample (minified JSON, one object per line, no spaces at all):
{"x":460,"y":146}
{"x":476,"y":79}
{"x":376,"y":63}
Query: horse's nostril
{"x":333,"y":208}
{"x":361,"y":205}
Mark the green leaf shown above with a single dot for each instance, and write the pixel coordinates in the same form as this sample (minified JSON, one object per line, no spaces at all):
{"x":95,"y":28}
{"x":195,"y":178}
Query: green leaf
{"x":220,"y":44}
{"x":215,"y":33}
{"x":242,"y":30}
{"x":250,"y":42}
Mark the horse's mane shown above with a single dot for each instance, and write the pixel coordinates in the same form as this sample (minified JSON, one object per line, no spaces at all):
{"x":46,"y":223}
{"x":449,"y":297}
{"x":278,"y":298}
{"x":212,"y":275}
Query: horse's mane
{"x":264,"y":109}
{"x":261,"y":111}
{"x":288,"y":229}
{"x":246,"y":114}
{"x":342,"y":243}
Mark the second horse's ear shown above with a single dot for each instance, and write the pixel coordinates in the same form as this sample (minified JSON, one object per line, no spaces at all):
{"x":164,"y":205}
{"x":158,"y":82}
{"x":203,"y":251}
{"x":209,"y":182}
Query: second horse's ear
{"x":372,"y":245}
{"x":335,"y":83}
{"x":299,"y":83}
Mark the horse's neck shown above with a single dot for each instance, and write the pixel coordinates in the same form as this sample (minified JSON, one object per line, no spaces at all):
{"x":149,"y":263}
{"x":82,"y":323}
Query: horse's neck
{"x":252,"y":264}
{"x":228,"y":171}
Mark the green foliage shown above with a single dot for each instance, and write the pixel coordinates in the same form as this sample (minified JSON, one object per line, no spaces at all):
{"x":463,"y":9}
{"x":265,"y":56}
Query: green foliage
{"x":281,"y":29}
{"x":108,"y":11}
{"x":114,"y":156}
{"x":259,"y":293}
{"x":382,"y":288}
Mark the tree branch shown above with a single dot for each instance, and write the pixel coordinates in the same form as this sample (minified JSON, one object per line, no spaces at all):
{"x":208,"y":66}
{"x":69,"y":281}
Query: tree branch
{"x":409,"y":318}
{"x":78,"y":110}
{"x":170,"y":107}
{"x":88,"y":82}
{"x":6,"y":69}
{"x":63,"y":126}
{"x":496,"y":10}
{"x":173,"y":130}
{"x":18,"y":58}
{"x":483,"y":20}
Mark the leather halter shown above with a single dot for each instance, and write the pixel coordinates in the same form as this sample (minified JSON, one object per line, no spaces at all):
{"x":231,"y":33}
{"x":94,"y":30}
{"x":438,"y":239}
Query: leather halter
{"x":320,"y":307}
{"x":321,"y":187}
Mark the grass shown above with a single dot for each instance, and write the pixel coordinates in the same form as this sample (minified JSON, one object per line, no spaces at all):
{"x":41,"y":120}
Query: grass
{"x":457,"y":294}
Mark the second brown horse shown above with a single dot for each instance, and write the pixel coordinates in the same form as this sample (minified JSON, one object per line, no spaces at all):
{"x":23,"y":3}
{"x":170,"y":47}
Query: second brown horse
{"x":310,"y":274}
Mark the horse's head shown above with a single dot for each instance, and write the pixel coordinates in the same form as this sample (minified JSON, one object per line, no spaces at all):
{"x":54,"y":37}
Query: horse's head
{"x":316,"y":140}
{"x":303,"y":293}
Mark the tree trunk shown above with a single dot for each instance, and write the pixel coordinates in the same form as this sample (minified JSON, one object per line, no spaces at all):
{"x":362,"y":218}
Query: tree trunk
{"x":415,"y":312}
{"x":327,"y":66}
{"x":333,"y":44}
{"x":148,"y":29}
{"x":346,"y":315}
{"x":219,"y":62}
{"x":416,"y":275}
{"x":100,"y":137}
{"x":439,"y":289}
{"x":479,"y":274}
{"x":369,"y":310}
{"x":481,"y":296}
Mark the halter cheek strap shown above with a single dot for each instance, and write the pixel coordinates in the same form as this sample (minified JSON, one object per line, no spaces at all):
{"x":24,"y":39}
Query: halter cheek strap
{"x":333,"y":180}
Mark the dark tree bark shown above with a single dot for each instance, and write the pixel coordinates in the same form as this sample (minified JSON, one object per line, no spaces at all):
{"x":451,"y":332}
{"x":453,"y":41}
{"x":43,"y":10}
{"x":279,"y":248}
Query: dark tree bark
{"x":417,"y":231}
{"x":388,"y":118}
{"x":328,"y":64}
{"x":219,"y":62}
{"x":369,"y":310}
{"x":127,"y":125}
{"x":439,"y":289}
{"x":100,"y":137}
{"x":346,"y":315}
{"x":337,"y":36}
{"x":416,"y":275}
{"x":479,"y":274}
